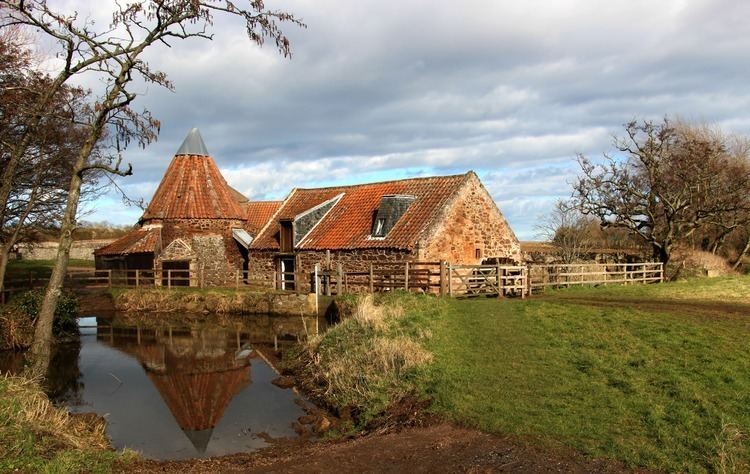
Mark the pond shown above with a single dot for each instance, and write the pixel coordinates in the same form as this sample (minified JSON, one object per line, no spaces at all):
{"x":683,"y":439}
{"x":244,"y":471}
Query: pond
{"x":180,"y":392}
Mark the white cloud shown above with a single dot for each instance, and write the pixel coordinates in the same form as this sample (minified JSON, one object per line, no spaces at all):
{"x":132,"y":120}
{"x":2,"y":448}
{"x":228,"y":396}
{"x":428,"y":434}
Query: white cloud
{"x":382,"y":89}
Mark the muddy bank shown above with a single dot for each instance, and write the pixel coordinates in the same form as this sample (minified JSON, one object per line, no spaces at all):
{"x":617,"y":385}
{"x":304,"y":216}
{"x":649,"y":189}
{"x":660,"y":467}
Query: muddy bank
{"x":213,"y":301}
{"x":438,"y":448}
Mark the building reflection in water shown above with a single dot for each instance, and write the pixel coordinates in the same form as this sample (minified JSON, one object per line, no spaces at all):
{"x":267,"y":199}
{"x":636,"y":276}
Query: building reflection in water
{"x":197,"y":372}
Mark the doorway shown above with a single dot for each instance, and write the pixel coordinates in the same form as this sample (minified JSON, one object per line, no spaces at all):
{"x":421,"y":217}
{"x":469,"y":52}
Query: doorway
{"x":287,"y":265}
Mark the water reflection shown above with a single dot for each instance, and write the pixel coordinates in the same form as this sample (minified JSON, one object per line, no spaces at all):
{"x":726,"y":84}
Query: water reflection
{"x":177,"y":392}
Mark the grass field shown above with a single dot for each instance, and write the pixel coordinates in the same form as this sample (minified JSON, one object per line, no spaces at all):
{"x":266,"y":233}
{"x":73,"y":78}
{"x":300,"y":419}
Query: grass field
{"x":654,"y":376}
{"x":39,"y":268}
{"x":707,"y":290}
{"x":666,"y":389}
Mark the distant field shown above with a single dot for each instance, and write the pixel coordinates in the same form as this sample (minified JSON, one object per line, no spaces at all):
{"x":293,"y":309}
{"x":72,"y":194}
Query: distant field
{"x":665,"y":389}
{"x":39,"y":268}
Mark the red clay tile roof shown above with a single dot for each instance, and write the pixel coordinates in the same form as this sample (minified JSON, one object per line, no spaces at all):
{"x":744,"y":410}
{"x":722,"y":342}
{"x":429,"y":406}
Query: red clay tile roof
{"x":258,"y":213}
{"x":348,"y":224}
{"x":135,"y":241}
{"x":193,"y":188}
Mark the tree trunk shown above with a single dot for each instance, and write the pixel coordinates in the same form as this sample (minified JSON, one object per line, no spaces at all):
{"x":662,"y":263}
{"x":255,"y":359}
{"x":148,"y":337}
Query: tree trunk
{"x":13,"y":238}
{"x":4,"y":253}
{"x":742,"y":254}
{"x":41,"y":348}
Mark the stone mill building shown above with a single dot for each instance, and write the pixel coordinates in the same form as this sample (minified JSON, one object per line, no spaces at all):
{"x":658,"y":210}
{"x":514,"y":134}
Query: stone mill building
{"x":440,"y":218}
{"x":197,"y":222}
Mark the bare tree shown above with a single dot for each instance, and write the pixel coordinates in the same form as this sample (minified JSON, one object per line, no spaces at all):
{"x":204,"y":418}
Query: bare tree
{"x":115,"y":53}
{"x":572,"y":233}
{"x":38,"y":182}
{"x":665,"y":183}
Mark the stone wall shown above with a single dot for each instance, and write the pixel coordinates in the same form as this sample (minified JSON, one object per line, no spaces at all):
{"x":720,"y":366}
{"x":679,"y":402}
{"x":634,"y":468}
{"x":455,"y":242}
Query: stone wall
{"x":186,"y":229}
{"x":146,"y":300}
{"x":206,"y":253}
{"x":472,"y":231}
{"x":211,"y":257}
{"x":81,"y":249}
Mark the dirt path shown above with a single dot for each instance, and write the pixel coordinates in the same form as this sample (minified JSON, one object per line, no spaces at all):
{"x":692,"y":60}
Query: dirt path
{"x":438,"y":448}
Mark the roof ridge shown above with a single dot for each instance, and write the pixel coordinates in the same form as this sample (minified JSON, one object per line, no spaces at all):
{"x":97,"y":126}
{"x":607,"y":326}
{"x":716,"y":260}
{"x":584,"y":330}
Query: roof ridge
{"x":415,"y":178}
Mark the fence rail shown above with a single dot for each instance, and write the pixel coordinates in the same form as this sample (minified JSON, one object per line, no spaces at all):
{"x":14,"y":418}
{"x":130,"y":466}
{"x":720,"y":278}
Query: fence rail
{"x":429,"y":277}
{"x":564,"y":275}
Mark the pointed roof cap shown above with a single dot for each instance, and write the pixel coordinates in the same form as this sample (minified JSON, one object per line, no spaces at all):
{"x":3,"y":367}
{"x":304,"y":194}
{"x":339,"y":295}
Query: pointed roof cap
{"x":199,"y":439}
{"x":193,"y":187}
{"x":193,"y":144}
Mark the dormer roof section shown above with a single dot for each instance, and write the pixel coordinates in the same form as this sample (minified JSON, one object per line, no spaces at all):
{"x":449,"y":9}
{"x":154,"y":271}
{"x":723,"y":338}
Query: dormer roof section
{"x":306,"y":221}
{"x":391,"y":208}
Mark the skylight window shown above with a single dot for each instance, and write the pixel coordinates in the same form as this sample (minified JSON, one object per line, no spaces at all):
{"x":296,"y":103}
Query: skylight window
{"x":392,"y":208}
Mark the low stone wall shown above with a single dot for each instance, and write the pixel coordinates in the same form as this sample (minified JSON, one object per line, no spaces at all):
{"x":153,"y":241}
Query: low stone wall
{"x":208,"y":301}
{"x":81,"y":250}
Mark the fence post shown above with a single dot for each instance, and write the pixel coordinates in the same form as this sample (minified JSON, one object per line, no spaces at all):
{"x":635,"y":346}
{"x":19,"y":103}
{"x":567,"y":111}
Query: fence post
{"x":500,"y":281}
{"x":372,"y":282}
{"x":137,"y":275}
{"x":315,"y":283}
{"x":450,"y":279}
{"x":237,"y":280}
{"x":339,"y":277}
{"x":406,"y":276}
{"x":442,"y":278}
{"x":524,"y":282}
{"x":169,"y":279}
{"x":109,"y":278}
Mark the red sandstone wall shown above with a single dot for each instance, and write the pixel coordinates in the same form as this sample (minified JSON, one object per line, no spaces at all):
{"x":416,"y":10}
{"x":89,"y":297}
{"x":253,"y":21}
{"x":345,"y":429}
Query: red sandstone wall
{"x":473,"y":222}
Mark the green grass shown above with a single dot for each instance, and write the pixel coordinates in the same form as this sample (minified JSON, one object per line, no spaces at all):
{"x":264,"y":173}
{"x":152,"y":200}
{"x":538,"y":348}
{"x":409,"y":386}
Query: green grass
{"x":39,"y":268}
{"x":663,"y":385}
{"x":720,"y":289}
{"x":657,"y":390}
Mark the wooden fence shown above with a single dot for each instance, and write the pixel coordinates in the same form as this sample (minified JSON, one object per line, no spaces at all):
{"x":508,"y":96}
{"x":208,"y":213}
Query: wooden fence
{"x":565,"y":275}
{"x":430,"y":277}
{"x":427,"y":277}
{"x":478,"y":280}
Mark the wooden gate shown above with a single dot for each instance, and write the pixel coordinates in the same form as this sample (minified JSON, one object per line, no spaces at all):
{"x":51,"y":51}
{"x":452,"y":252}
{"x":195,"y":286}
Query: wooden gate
{"x":492,"y":280}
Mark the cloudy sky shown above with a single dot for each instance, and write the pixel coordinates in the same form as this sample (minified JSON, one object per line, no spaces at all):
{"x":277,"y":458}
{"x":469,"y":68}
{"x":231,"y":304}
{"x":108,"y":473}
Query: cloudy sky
{"x":389,"y":89}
